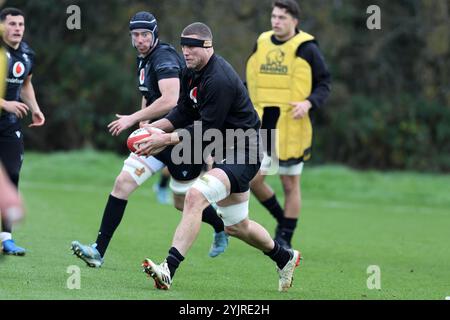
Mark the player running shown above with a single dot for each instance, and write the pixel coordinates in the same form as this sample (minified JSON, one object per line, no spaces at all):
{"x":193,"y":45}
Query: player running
{"x":215,"y":97}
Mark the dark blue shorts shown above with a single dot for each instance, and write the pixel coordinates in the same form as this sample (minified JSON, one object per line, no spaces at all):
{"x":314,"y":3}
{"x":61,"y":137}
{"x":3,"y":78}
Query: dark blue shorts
{"x":11,"y":156}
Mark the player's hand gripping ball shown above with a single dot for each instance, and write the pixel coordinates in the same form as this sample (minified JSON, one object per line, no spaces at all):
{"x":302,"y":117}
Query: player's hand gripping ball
{"x":133,"y":141}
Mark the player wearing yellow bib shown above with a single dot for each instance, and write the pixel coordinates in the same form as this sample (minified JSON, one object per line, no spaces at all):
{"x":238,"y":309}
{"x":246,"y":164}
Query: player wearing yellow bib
{"x":286,"y":77}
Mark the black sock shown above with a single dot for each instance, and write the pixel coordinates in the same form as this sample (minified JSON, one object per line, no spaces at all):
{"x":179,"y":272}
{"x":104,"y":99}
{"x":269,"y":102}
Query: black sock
{"x":164,"y":181}
{"x":6,"y":226}
{"x":286,"y":229}
{"x":280,"y":255}
{"x":274,"y":208}
{"x":112,"y":216}
{"x":210,"y":216}
{"x":173,"y":260}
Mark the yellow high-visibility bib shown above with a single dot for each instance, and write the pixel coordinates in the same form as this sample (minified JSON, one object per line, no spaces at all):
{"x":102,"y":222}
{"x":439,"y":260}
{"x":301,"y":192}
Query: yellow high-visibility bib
{"x":275,"y":78}
{"x":3,"y":71}
{"x":3,"y":66}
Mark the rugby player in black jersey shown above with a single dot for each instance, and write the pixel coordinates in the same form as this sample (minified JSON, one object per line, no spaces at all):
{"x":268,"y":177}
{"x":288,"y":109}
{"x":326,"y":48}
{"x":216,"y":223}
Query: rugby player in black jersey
{"x":214,"y":99}
{"x":19,"y":100}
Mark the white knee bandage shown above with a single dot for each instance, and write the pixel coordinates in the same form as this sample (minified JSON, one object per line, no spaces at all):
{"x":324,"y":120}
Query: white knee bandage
{"x":181,"y":188}
{"x":234,"y":214}
{"x":141,"y":168}
{"x":212,"y":188}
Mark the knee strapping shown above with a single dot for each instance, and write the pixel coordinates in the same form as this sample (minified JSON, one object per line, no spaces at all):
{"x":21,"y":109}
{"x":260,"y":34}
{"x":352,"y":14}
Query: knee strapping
{"x":138,"y":169}
{"x":181,"y":188}
{"x":233,"y":214}
{"x":212,"y":188}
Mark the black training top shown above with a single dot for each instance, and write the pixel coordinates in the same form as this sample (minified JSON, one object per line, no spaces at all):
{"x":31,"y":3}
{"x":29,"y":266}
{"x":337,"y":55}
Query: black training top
{"x":217,"y":97}
{"x":162,"y":63}
{"x":20,"y":66}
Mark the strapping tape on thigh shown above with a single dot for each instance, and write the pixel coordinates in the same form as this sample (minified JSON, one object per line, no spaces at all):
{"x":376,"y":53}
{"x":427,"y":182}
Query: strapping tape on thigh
{"x":233,"y":214}
{"x":181,"y":188}
{"x":212,"y":188}
{"x":137,"y":169}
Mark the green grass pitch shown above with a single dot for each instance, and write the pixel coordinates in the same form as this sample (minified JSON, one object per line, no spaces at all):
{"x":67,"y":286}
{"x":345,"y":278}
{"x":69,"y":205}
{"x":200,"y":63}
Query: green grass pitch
{"x":350,"y":221}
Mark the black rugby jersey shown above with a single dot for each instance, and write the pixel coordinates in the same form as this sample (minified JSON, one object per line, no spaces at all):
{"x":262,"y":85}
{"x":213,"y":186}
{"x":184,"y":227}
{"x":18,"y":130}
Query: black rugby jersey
{"x":162,"y":63}
{"x":20,"y":66}
{"x":217,"y":97}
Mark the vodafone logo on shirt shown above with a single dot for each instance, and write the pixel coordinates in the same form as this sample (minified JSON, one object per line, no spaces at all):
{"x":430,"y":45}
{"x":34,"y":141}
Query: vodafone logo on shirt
{"x":193,"y":94}
{"x":18,"y":69}
{"x":142,"y":77}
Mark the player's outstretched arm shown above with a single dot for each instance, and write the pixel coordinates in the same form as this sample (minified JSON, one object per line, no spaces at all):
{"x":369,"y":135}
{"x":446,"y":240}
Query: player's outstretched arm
{"x":170,"y":90}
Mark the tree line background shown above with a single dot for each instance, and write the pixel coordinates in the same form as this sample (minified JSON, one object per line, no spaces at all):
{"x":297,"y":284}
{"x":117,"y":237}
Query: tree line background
{"x":390,"y":102}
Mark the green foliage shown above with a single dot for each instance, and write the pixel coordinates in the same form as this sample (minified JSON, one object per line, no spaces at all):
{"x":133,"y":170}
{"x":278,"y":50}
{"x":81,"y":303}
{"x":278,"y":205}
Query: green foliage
{"x":404,"y":133}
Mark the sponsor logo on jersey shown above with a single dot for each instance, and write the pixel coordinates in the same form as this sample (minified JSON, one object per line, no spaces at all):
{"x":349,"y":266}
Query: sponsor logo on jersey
{"x":14,"y":81}
{"x":193,"y":95}
{"x":18,"y":69}
{"x":142,"y":76}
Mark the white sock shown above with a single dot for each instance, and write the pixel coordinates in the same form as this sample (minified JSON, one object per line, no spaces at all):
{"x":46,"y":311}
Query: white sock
{"x":5,"y":236}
